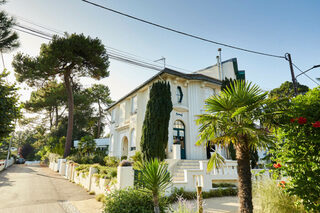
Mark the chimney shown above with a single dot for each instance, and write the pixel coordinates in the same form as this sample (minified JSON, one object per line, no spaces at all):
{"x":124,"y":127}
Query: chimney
{"x":220,"y":63}
{"x":219,"y":68}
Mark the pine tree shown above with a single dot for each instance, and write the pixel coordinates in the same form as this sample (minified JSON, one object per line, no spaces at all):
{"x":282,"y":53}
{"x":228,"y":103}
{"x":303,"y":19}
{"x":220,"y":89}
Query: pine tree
{"x":154,"y":138}
{"x":8,"y":38}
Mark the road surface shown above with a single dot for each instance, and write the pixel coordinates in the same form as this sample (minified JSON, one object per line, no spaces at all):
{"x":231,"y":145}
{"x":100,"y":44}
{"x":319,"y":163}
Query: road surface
{"x":37,"y":189}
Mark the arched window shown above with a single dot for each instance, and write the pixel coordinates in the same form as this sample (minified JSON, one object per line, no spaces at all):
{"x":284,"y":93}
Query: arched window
{"x":179,"y":94}
{"x":133,"y":139}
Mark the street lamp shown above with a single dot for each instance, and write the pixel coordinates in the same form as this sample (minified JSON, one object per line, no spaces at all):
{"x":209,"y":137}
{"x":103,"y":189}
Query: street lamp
{"x":315,"y":66}
{"x":295,"y":79}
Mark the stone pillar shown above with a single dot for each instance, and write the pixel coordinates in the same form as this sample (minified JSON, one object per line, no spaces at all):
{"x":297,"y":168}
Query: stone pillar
{"x":177,"y":151}
{"x":125,"y":177}
{"x":62,"y":169}
{"x":92,"y":170}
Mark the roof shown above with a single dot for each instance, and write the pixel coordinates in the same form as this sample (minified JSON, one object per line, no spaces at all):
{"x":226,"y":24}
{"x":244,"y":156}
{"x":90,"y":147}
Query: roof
{"x":189,"y":76}
{"x":100,"y":142}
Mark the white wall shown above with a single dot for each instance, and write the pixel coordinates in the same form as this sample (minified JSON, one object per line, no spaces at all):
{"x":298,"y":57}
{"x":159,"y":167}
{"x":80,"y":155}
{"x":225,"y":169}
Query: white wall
{"x":194,"y":94}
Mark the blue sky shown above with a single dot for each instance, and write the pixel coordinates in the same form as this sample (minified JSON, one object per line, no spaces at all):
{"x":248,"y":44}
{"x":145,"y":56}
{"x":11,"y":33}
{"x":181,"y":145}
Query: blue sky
{"x":275,"y":27}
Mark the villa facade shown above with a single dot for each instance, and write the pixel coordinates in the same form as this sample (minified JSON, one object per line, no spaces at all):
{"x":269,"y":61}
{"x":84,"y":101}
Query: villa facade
{"x":189,"y":92}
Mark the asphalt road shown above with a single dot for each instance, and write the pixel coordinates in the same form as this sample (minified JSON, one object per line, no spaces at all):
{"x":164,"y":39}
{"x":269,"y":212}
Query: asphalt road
{"x":37,"y":189}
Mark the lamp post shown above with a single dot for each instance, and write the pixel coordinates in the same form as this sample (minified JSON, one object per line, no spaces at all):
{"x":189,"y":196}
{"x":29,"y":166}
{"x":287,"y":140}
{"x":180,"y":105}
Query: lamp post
{"x":295,"y":81}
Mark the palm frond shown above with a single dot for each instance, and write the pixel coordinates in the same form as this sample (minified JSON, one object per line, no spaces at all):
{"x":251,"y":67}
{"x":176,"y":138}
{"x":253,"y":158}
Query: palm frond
{"x":216,"y":161}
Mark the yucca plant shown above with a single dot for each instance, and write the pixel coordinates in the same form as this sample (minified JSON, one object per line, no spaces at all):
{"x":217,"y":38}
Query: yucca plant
{"x":156,"y":179}
{"x":232,"y":117}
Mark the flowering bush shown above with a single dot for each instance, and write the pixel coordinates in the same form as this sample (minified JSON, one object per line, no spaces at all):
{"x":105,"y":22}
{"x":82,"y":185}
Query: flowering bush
{"x":298,"y":149}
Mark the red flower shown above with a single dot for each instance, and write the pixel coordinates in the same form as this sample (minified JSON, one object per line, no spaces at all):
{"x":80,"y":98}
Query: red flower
{"x":316,"y":124}
{"x":282,"y":184}
{"x":277,"y":165}
{"x":302,"y":120}
{"x":292,"y":120}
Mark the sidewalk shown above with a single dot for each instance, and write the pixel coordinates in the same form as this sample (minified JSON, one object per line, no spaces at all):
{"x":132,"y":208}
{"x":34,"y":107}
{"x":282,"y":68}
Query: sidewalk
{"x":217,"y":205}
{"x":37,"y":189}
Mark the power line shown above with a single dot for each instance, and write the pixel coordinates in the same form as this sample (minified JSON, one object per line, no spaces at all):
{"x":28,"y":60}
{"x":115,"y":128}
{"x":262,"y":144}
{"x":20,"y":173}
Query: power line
{"x":38,"y":25}
{"x":180,"y":32}
{"x":34,"y":30}
{"x":30,"y":33}
{"x":305,"y":74}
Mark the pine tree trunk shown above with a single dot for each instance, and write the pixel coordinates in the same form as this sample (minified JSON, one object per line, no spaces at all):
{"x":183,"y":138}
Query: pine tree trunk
{"x":57,"y":116}
{"x":70,"y":115}
{"x":50,"y":117}
{"x":244,"y":177}
{"x":99,"y":121}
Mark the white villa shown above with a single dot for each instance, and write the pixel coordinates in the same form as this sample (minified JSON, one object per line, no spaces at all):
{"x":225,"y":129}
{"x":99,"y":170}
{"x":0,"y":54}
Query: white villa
{"x":189,"y":92}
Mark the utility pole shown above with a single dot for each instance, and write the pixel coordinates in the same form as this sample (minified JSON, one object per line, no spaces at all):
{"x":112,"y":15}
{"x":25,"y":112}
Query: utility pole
{"x":294,"y":81}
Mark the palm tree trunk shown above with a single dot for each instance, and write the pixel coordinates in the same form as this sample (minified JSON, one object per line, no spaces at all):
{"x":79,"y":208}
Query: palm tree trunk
{"x":156,"y":204}
{"x":70,"y":115}
{"x":244,"y":177}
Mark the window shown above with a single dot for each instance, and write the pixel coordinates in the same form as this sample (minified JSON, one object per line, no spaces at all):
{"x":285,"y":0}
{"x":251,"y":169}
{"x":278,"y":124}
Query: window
{"x":133,"y":140}
{"x":179,"y":94}
{"x":134,"y":105}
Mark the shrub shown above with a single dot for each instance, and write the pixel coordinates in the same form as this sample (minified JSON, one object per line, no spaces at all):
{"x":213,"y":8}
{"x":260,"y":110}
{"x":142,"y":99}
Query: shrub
{"x":217,"y":185}
{"x":100,"y":197}
{"x":187,"y":195}
{"x":111,"y":161}
{"x":125,"y":163}
{"x":92,"y":193}
{"x":184,"y":207}
{"x":131,"y":201}
{"x":270,"y":198}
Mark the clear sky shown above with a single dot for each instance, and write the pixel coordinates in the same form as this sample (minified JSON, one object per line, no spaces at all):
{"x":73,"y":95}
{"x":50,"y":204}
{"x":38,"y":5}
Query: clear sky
{"x":270,"y":26}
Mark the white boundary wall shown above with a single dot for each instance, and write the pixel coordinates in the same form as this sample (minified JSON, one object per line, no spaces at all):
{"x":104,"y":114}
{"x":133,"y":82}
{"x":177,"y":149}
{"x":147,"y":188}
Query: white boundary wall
{"x":10,"y":163}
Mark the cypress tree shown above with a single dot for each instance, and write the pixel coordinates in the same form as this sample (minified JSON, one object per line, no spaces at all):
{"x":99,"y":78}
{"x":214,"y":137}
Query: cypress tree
{"x":154,"y":137}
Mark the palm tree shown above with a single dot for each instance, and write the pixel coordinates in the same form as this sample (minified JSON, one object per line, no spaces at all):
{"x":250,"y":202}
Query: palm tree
{"x":156,"y":179}
{"x":232,"y":117}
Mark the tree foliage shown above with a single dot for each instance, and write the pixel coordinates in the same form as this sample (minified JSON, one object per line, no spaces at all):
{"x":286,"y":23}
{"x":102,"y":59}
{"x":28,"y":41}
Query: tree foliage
{"x":86,"y":145}
{"x":286,"y":90}
{"x":8,"y":38}
{"x":49,"y":99}
{"x":68,"y":57}
{"x":297,"y":149}
{"x":254,"y":157}
{"x":156,"y":179}
{"x":9,"y":106}
{"x":230,"y":118}
{"x":154,"y":138}
{"x":100,"y":95}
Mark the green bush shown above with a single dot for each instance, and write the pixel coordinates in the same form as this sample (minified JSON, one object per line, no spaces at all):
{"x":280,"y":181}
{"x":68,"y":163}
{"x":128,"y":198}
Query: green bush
{"x":100,"y":197}
{"x":131,"y":201}
{"x":217,"y":185}
{"x":268,"y":197}
{"x":187,"y":195}
{"x":111,"y":161}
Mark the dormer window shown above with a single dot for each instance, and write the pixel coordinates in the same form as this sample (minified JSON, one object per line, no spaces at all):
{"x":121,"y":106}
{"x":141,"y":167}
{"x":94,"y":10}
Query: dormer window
{"x":179,"y":94}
